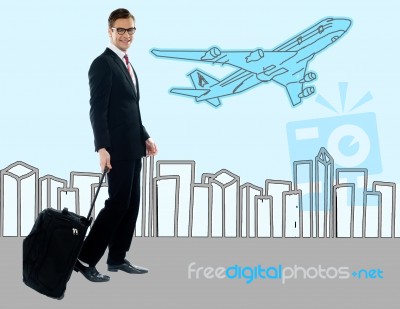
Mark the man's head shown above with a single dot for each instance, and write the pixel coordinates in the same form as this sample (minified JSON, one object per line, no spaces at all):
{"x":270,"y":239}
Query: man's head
{"x":121,"y":28}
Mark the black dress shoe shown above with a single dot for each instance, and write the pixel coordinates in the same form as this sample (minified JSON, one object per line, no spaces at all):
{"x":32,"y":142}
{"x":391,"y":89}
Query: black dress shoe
{"x":126,"y":266}
{"x":90,"y":273}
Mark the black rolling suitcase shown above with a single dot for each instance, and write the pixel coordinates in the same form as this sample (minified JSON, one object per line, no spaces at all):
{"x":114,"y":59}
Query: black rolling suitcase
{"x":52,"y":248}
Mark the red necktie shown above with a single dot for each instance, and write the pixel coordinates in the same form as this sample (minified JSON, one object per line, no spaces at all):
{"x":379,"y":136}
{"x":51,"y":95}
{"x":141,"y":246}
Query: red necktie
{"x":128,"y":65}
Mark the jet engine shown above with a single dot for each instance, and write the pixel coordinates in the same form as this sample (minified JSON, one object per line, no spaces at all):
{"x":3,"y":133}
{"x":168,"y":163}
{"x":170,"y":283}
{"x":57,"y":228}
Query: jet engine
{"x":211,"y":54}
{"x":255,"y":55}
{"x":307,"y":92}
{"x":308,"y":77}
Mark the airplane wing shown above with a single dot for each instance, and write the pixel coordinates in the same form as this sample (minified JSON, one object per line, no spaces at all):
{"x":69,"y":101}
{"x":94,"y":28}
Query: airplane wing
{"x":294,"y":82}
{"x":253,"y":61}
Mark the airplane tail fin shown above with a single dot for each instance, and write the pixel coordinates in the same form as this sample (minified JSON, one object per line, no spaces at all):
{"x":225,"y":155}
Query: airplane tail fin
{"x":202,"y":80}
{"x":202,"y":83}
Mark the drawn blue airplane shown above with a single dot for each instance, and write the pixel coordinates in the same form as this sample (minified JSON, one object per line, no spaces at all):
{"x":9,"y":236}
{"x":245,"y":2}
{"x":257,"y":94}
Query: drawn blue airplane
{"x":286,"y":64}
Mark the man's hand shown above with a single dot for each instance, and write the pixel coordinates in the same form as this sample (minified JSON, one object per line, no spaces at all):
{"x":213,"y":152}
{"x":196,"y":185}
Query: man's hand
{"x":104,"y":159}
{"x":151,"y":147}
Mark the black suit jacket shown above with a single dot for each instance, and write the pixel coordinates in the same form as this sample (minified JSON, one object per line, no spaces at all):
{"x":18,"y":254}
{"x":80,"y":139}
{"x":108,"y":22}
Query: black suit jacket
{"x":114,"y":109}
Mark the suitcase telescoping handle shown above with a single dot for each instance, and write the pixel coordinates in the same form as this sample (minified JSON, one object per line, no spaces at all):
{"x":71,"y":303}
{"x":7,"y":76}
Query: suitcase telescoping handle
{"x":89,"y":219}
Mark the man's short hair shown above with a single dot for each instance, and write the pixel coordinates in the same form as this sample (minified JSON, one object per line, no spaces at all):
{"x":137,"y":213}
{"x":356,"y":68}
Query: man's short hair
{"x":117,"y":14}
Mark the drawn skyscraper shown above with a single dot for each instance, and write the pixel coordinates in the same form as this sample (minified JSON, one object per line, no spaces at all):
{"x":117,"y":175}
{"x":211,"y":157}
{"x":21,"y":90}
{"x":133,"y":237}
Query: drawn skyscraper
{"x":166,"y":206}
{"x":248,"y":192}
{"x":358,"y":177}
{"x":264,"y":225}
{"x":275,"y":189}
{"x":292,"y":214}
{"x":388,"y":209}
{"x":48,"y":197}
{"x":303,"y":180}
{"x":372,"y":214}
{"x":83,"y":182}
{"x":225,"y":208}
{"x":143,"y":222}
{"x":324,"y":181}
{"x":186,"y":172}
{"x":18,"y":198}
{"x":343,"y":210}
{"x":69,"y":198}
{"x":200,"y":210}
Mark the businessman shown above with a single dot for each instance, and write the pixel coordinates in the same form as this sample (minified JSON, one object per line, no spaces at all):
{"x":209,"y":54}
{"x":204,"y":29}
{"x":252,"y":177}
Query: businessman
{"x":121,"y":141}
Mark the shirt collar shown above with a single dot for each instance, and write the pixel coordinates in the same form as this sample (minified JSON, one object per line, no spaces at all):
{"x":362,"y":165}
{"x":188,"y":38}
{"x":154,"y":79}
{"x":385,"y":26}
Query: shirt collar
{"x":116,"y":50}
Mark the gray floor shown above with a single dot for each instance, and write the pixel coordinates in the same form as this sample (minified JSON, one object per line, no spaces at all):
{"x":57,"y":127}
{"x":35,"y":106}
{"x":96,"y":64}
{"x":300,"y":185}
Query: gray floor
{"x":168,"y":284}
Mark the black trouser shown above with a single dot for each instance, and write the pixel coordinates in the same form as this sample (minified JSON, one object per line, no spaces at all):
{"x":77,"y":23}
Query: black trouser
{"x":115,"y":224}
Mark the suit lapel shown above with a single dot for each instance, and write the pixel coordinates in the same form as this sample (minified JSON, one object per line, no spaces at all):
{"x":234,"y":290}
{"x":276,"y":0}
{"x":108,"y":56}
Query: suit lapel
{"x":124,"y":70}
{"x":137,"y":83}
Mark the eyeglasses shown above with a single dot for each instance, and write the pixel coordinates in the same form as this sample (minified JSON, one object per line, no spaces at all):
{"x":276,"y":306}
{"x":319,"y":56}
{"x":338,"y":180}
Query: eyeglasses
{"x":121,"y":31}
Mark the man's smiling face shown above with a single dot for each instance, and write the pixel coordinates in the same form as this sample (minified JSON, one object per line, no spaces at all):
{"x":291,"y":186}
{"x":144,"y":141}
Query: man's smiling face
{"x":122,"y":41}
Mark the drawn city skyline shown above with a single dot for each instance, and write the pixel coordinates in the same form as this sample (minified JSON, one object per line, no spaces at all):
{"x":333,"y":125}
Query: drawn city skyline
{"x":320,"y":201}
